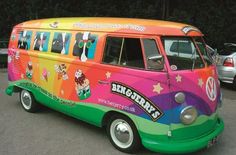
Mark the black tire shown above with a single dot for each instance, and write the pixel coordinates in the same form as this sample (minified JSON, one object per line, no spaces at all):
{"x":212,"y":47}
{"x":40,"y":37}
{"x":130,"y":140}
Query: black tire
{"x":128,"y":140}
{"x":28,"y":102}
{"x":234,"y":83}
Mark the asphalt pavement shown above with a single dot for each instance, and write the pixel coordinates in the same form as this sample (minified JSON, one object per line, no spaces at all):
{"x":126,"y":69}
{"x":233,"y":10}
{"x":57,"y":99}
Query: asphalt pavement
{"x":49,"y":132}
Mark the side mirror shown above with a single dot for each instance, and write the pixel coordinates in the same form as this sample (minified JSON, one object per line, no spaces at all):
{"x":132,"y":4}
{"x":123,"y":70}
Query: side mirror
{"x":155,"y":62}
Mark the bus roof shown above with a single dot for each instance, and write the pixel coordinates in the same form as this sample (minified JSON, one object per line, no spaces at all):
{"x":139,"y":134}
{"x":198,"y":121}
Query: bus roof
{"x":124,"y":25}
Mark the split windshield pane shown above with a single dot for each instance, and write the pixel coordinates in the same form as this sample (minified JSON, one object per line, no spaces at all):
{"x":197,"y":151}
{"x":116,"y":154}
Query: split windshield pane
{"x":181,"y":53}
{"x":202,"y":47}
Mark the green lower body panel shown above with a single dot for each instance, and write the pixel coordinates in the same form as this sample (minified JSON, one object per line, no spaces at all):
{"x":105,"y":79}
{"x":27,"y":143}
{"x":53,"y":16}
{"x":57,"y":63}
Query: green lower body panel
{"x":154,"y":135}
{"x":91,"y":113}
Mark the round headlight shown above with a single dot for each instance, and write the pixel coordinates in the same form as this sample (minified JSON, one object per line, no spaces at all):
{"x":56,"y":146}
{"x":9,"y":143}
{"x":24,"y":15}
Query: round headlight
{"x":188,"y":115}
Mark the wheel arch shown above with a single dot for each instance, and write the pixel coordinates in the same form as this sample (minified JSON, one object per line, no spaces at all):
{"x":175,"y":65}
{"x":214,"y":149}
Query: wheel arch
{"x":16,"y":89}
{"x":111,"y":113}
{"x":13,"y":89}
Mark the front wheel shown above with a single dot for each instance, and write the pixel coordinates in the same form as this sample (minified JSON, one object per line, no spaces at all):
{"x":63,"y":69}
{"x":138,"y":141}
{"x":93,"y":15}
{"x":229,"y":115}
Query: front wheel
{"x":28,"y":102}
{"x":123,"y":134}
{"x":234,"y":83}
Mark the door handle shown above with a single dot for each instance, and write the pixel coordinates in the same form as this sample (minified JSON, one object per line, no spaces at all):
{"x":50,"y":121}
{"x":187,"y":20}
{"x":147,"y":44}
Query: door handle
{"x":103,"y":82}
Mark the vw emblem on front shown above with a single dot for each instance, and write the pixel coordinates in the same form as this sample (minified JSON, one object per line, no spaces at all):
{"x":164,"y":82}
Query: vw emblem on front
{"x":211,"y":90}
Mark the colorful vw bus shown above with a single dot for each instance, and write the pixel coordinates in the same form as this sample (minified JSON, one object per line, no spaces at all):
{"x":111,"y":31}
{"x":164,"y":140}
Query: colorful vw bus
{"x":146,"y":82}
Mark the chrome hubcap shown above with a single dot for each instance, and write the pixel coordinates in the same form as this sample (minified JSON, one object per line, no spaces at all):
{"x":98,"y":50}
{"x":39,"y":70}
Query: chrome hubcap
{"x":121,"y":133}
{"x":26,"y":99}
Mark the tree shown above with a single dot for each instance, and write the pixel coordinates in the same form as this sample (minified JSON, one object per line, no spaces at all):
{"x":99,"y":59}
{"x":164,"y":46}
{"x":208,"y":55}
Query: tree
{"x":216,"y":18}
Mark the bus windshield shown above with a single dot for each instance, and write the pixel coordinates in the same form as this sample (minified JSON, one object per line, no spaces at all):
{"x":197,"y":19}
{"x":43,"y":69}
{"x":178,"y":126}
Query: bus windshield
{"x":202,"y":47}
{"x":182,"y":53}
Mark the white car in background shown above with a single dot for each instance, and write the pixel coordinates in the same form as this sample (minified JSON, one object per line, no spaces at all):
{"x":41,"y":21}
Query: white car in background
{"x":226,"y":64}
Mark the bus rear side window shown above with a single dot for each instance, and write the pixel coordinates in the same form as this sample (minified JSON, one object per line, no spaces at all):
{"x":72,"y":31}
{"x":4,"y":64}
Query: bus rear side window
{"x":85,"y":45}
{"x":41,"y":41}
{"x":24,"y":39}
{"x":61,"y":42}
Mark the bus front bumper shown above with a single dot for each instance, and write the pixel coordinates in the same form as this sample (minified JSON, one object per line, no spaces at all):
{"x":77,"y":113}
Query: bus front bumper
{"x":186,"y":146}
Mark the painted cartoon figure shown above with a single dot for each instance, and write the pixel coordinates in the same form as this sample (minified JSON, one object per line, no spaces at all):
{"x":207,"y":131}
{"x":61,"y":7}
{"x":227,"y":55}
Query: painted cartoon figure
{"x":82,"y":44}
{"x":29,"y":70}
{"x":61,"y":70}
{"x":82,"y":86}
{"x":59,"y":43}
{"x":22,"y":43}
{"x":39,"y":41}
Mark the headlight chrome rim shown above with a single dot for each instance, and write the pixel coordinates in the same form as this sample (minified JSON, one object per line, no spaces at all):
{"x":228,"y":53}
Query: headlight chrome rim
{"x":188,"y":115}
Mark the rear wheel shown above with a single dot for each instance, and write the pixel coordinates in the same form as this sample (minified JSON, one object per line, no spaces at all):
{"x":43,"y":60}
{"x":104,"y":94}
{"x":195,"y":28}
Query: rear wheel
{"x":28,"y":102}
{"x":123,"y":134}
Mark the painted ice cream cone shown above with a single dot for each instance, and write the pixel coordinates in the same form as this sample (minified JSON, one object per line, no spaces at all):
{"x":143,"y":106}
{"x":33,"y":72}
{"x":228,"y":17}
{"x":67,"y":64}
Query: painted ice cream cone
{"x":45,"y":74}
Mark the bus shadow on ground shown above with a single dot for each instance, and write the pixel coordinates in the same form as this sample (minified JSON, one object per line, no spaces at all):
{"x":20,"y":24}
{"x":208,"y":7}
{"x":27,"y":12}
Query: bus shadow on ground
{"x":228,"y":91}
{"x":227,"y":86}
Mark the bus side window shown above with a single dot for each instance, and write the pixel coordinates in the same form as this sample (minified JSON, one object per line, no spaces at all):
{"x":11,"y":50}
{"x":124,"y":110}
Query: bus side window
{"x":61,"y":42}
{"x":151,"y":51}
{"x":112,"y":50}
{"x":124,"y":52}
{"x":85,"y":45}
{"x":41,"y":40}
{"x":24,"y":39}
